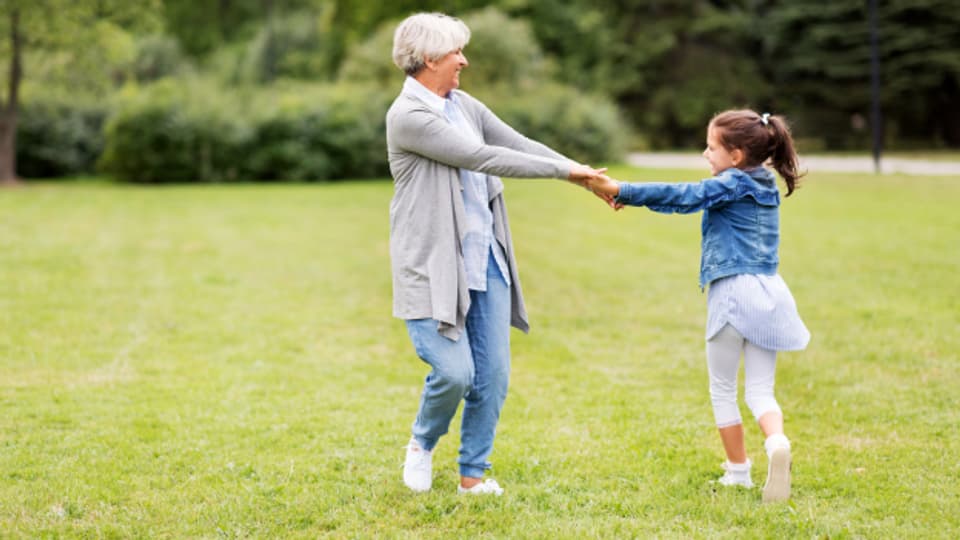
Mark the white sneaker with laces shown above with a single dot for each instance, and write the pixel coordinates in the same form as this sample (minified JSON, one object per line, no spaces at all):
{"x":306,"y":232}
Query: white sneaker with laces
{"x":777,"y":487}
{"x":418,"y":467}
{"x":487,"y":487}
{"x":737,"y":474}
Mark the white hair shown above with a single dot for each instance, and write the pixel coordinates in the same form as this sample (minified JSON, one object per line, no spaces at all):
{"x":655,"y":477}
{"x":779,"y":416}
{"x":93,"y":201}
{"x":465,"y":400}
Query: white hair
{"x":427,"y":36}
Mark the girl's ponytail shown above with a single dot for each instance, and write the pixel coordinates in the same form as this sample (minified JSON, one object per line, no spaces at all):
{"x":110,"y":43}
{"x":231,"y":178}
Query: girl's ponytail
{"x":783,"y":155}
{"x":760,"y":137}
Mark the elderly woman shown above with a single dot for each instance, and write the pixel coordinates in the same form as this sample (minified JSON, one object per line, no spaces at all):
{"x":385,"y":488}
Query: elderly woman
{"x":455,"y":279}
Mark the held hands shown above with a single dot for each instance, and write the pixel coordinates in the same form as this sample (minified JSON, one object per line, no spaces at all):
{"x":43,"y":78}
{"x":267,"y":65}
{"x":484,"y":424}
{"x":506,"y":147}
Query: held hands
{"x":596,"y":181}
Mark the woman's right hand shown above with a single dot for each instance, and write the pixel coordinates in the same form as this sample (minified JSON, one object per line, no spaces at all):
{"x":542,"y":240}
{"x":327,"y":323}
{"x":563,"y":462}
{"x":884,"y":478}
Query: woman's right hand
{"x":597,"y":182}
{"x":579,"y":174}
{"x":587,"y":177}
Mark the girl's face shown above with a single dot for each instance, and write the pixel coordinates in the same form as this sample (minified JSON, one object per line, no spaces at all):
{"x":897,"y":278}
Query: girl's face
{"x":720,"y":158}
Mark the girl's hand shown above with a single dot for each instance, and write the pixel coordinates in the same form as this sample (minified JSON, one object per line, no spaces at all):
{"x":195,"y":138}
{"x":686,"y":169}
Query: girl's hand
{"x":585,"y":176}
{"x":604,"y":184}
{"x":606,"y":188}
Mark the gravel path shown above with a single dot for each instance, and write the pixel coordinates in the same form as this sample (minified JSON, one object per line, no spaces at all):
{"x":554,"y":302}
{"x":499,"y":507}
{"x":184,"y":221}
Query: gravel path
{"x":692,"y":160}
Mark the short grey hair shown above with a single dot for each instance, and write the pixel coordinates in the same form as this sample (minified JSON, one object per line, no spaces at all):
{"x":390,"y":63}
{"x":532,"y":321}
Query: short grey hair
{"x":424,"y":36}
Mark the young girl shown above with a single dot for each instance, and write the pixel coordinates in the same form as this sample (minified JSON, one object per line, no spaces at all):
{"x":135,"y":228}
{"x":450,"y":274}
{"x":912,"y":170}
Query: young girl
{"x":750,"y":310}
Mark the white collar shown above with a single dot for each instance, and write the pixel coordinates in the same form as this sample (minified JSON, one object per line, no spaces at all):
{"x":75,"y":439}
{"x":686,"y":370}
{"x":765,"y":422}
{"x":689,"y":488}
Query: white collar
{"x":432,"y":100}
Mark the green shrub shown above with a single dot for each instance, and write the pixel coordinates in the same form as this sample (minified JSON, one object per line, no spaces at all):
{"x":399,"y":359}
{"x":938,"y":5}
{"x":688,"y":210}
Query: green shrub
{"x":174,"y":131}
{"x":371,"y":61}
{"x":587,"y":128}
{"x":183,"y":131}
{"x":319,"y":133}
{"x":299,"y":46}
{"x":158,"y":56}
{"x":56,"y":137}
{"x":502,"y":51}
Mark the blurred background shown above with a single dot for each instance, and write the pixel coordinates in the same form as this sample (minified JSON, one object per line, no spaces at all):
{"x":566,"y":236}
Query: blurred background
{"x":235,"y":90}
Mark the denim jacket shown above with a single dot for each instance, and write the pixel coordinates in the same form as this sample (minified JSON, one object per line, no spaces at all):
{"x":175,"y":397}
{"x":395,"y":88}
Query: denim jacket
{"x":741,"y":222}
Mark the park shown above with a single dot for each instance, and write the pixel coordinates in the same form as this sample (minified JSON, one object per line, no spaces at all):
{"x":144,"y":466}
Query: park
{"x":196,"y":337}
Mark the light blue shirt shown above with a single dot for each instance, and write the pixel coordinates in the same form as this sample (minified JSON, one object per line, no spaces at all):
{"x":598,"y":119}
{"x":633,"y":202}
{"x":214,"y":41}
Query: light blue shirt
{"x":478,"y":238}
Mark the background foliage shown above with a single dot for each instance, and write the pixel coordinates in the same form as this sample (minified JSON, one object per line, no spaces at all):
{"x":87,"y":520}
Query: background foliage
{"x":656,"y":69}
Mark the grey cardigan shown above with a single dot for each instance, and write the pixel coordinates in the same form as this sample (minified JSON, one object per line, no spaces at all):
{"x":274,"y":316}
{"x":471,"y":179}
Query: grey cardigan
{"x":427,"y":214}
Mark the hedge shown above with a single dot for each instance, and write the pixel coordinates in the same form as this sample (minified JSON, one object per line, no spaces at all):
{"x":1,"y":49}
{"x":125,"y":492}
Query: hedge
{"x":176,"y":131}
{"x":584,"y":127}
{"x":56,"y":138}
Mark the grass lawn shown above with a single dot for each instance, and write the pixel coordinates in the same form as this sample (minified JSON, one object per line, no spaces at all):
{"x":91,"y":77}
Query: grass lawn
{"x":220,"y":361}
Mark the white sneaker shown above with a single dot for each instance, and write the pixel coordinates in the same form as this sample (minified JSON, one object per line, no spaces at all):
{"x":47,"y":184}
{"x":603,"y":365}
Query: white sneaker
{"x":777,"y":487}
{"x":487,"y":487}
{"x":418,"y":467}
{"x":737,"y":474}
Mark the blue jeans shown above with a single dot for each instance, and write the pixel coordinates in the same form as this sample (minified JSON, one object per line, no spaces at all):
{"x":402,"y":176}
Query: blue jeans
{"x":475,"y":369}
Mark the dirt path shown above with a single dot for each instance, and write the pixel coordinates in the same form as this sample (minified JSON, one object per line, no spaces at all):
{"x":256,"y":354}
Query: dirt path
{"x":693,"y":160}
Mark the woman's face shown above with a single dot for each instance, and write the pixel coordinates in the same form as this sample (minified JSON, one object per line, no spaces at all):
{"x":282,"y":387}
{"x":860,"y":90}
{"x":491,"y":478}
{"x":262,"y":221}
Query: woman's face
{"x":448,"y":69}
{"x":720,"y":158}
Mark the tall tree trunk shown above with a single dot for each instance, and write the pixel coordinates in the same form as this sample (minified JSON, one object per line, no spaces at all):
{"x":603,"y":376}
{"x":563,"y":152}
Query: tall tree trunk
{"x":8,"y":110}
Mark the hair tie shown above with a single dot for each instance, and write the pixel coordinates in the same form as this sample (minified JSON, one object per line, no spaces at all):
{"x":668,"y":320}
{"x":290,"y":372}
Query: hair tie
{"x":765,"y":119}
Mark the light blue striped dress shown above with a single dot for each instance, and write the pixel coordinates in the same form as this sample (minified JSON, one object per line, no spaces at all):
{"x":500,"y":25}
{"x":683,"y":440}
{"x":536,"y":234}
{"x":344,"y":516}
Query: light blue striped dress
{"x":760,"y":307}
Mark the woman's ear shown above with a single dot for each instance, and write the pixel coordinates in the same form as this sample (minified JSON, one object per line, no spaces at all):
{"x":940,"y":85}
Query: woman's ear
{"x":431,"y":65}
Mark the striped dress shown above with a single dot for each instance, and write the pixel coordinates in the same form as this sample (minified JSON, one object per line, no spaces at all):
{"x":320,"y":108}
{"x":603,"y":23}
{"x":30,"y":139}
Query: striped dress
{"x":760,"y":307}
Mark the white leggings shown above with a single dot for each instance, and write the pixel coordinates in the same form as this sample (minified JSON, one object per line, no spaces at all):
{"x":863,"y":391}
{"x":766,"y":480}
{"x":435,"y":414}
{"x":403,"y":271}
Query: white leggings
{"x":723,"y":362}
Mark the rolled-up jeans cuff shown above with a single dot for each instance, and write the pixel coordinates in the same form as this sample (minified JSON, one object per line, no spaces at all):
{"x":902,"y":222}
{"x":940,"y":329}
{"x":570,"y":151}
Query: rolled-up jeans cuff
{"x":426,"y":445}
{"x":471,"y":472}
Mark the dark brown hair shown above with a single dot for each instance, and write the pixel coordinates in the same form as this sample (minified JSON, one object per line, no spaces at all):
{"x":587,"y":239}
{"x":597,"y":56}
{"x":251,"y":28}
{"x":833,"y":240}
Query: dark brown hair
{"x":760,"y":138}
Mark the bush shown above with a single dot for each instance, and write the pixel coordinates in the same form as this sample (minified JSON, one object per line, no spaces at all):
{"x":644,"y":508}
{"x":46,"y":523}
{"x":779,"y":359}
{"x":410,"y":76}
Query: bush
{"x":502,"y":51}
{"x":56,"y":137}
{"x":371,"y":61}
{"x":158,"y":56}
{"x":298,"y":46}
{"x":178,"y":131}
{"x":587,"y":128}
{"x":183,"y":131}
{"x":174,"y":131}
{"x":319,"y":133}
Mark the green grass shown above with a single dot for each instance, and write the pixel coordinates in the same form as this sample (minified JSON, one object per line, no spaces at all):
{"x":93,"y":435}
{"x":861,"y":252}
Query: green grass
{"x":220,"y":361}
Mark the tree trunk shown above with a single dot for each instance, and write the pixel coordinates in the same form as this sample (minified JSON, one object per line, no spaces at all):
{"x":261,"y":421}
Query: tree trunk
{"x":8,"y":110}
{"x":8,"y":148}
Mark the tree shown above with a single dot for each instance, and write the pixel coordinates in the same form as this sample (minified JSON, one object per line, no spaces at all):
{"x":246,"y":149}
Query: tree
{"x":820,"y":52}
{"x":39,"y":29}
{"x":9,"y":104}
{"x":670,"y":64}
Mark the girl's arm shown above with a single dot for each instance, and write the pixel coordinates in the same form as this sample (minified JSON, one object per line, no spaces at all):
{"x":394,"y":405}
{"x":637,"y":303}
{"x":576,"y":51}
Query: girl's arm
{"x":681,"y":198}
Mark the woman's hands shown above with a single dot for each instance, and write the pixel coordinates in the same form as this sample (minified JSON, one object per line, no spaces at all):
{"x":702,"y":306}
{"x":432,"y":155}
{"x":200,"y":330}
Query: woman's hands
{"x":596,"y":181}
